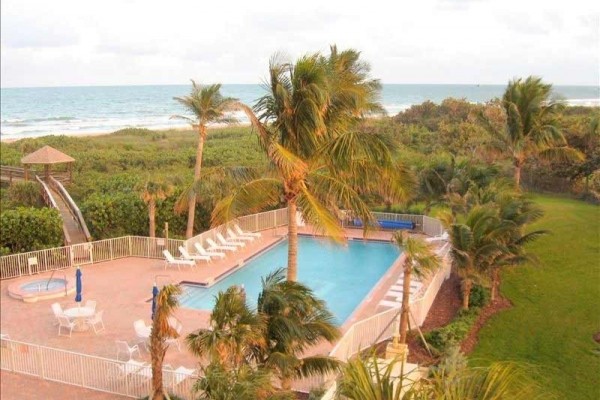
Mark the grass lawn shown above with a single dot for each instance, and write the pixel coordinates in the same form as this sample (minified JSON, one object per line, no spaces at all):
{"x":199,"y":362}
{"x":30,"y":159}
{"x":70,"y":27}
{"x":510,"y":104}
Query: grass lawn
{"x":556,"y":305}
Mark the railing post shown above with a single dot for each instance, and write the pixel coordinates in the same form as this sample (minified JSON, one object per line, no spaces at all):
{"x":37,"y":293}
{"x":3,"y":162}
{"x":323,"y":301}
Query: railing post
{"x":148,"y":248}
{"x":81,"y":370}
{"x":130,"y":247}
{"x":12,"y":355}
{"x":275,"y":219}
{"x":110,"y":247}
{"x":255,"y":222}
{"x":41,"y":360}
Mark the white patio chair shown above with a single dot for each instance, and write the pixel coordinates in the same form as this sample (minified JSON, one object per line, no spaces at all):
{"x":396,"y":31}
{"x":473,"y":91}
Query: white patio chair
{"x":175,"y":324}
{"x":123,"y":347}
{"x":170,"y":260}
{"x":96,"y":320}
{"x":142,"y":332}
{"x":239,"y":230}
{"x":58,"y":311}
{"x":194,"y":257}
{"x":215,"y":246}
{"x":91,"y":304}
{"x":226,"y":242}
{"x":233,"y":236}
{"x":202,"y":251}
{"x":64,"y":323}
{"x":181,"y":374}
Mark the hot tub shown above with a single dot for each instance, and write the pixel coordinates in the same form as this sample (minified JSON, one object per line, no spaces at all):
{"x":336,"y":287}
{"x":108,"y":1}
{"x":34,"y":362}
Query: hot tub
{"x":34,"y":289}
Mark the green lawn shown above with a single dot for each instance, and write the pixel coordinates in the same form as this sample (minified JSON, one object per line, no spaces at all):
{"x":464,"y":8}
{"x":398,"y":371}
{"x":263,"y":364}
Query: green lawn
{"x":556,"y":305}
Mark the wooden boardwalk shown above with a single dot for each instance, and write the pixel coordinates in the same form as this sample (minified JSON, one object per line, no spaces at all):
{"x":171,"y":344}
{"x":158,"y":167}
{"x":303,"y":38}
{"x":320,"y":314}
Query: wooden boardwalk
{"x":74,"y":232}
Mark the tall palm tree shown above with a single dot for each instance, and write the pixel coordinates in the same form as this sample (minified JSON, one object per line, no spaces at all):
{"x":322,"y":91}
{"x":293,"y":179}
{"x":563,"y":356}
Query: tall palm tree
{"x":319,"y":162}
{"x":295,"y":321}
{"x":166,"y":303}
{"x":474,"y":243}
{"x":207,"y":105}
{"x":152,"y":191}
{"x":531,"y":128}
{"x":420,"y":259}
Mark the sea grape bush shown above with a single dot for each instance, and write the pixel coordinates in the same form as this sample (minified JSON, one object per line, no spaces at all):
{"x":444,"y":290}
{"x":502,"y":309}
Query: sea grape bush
{"x":27,"y":228}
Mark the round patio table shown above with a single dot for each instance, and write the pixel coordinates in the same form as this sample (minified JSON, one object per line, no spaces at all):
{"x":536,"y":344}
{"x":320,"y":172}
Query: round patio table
{"x":79,"y":316}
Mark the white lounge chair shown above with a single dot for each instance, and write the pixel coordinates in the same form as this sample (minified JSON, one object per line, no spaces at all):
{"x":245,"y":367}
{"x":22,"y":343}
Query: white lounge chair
{"x":170,"y":260}
{"x":123,"y":347}
{"x":202,"y":251}
{"x":91,"y":304}
{"x":226,"y":242}
{"x":64,"y":323}
{"x":231,"y":235}
{"x":239,"y":230}
{"x":95,"y":321}
{"x":215,"y":246}
{"x":443,"y":237}
{"x":193,"y":257}
{"x":58,"y":311}
{"x":390,"y":304}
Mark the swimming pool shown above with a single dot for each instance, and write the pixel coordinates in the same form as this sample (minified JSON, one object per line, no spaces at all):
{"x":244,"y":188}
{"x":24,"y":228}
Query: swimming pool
{"x":342,"y":275}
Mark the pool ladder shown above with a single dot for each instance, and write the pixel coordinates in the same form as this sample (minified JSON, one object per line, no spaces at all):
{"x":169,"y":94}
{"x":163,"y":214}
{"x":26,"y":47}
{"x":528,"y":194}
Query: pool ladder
{"x":49,"y":279}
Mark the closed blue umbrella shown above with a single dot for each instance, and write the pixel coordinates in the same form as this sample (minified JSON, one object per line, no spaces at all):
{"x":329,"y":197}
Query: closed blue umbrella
{"x":78,"y":286}
{"x":154,"y":294}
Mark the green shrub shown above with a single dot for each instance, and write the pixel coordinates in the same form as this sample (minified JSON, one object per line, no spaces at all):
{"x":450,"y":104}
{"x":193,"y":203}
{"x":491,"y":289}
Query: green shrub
{"x":26,"y":229}
{"x":479,"y":296}
{"x":25,"y":194}
{"x":452,"y":334}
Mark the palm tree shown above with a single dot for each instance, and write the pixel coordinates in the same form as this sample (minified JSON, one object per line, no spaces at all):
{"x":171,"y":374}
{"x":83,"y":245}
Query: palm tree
{"x":474,"y":244}
{"x":420,"y":259}
{"x":166,"y":303}
{"x":295,"y":321}
{"x":453,"y":379}
{"x":208,"y":106}
{"x":150,"y":193}
{"x":516,"y":212}
{"x":235,"y":333}
{"x":319,"y":162}
{"x":531,"y":128}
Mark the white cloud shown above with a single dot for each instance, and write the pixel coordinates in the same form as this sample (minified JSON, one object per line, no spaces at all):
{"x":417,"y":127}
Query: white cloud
{"x":155,"y":42}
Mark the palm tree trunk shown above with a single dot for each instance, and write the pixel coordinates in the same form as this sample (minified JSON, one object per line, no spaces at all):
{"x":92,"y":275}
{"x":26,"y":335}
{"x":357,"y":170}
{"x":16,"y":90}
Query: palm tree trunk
{"x":495,"y":284}
{"x":466,"y":293}
{"x":152,"y":217}
{"x":292,"y":272}
{"x":405,"y":301}
{"x":517,"y":174}
{"x":189,"y":231}
{"x":157,"y":354}
{"x":286,"y":383}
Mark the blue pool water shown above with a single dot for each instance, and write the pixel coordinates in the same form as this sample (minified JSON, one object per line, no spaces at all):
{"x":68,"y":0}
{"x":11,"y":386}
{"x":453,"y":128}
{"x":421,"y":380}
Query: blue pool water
{"x":342,"y":275}
{"x":41,"y":285}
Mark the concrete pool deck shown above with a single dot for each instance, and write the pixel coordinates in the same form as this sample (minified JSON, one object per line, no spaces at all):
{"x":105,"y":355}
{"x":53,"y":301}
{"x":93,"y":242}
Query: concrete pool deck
{"x":123,"y":287}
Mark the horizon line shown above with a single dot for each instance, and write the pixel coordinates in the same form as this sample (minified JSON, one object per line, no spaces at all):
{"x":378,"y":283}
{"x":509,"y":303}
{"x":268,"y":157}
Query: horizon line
{"x":259,"y":84}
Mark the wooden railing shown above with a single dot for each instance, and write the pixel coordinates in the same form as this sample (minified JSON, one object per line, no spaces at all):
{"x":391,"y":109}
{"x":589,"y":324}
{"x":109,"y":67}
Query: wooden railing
{"x":51,"y":202}
{"x":9,"y":173}
{"x":73,"y":209}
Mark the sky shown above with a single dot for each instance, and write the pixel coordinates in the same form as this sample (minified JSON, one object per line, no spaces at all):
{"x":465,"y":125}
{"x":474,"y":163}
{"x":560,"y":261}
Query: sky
{"x":131,"y":42}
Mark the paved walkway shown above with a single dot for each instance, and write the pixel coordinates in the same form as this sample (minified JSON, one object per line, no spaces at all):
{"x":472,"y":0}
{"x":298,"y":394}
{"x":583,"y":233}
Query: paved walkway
{"x":23,"y":387}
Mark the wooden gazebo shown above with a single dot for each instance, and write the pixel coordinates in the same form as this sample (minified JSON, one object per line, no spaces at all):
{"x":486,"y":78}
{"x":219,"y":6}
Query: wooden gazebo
{"x":47,"y":156}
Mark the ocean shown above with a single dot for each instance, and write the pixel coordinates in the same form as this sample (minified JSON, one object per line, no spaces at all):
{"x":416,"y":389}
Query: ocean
{"x":30,"y":112}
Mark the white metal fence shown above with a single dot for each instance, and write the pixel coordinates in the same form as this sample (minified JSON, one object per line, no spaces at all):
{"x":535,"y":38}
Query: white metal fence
{"x":38,"y":261}
{"x":253,"y":223}
{"x":90,"y":372}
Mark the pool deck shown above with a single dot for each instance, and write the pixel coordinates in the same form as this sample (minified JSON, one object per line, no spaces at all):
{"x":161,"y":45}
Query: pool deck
{"x":122,"y":288}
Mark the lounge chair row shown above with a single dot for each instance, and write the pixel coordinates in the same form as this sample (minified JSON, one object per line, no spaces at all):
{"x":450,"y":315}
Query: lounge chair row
{"x":232,"y":243}
{"x":393,"y":297}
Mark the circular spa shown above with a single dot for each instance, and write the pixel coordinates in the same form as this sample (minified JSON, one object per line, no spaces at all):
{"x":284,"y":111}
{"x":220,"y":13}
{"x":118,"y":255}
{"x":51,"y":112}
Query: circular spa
{"x":36,"y":289}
